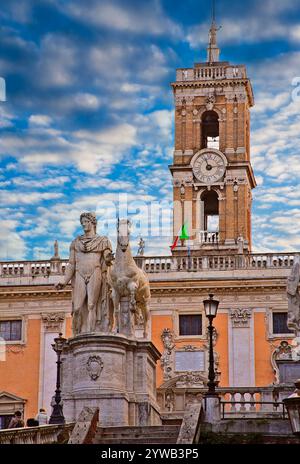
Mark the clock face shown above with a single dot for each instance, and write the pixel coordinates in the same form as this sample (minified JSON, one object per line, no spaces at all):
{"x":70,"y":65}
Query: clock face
{"x":209,"y":167}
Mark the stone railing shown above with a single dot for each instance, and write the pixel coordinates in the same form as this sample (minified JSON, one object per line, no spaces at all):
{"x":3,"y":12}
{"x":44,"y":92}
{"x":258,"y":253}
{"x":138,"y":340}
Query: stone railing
{"x":208,"y":237}
{"x":43,"y":434}
{"x":32,"y":268}
{"x":250,"y":401}
{"x":204,"y":72}
{"x":216,"y":263}
{"x":160,"y":264}
{"x":235,"y":401}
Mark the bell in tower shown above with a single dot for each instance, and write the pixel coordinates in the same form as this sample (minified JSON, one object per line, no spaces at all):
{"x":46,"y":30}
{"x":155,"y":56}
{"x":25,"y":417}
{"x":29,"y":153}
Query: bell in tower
{"x":212,"y":172}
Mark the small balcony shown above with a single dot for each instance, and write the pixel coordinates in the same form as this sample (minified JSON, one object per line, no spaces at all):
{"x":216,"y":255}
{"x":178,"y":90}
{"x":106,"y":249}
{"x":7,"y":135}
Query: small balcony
{"x":210,"y":238}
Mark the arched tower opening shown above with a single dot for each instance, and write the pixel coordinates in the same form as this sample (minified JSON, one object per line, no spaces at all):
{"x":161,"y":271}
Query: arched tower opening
{"x":210,"y":130}
{"x":209,"y":216}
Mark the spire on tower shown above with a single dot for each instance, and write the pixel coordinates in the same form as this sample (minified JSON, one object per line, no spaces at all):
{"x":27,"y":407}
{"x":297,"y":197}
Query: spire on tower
{"x":213,"y":51}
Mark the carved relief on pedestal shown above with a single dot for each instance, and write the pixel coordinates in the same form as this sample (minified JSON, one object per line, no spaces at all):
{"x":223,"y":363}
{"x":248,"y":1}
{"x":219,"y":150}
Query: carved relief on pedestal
{"x":240,"y":317}
{"x":53,"y":321}
{"x":94,"y":367}
{"x":166,"y":360}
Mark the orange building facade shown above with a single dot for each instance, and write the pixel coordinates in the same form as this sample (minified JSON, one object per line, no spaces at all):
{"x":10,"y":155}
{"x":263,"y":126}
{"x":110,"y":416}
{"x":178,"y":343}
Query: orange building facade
{"x":212,"y":183}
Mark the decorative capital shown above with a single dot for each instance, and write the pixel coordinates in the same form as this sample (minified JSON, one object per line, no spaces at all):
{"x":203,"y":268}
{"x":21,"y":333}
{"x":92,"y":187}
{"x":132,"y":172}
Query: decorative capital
{"x":52,"y":321}
{"x":240,"y":317}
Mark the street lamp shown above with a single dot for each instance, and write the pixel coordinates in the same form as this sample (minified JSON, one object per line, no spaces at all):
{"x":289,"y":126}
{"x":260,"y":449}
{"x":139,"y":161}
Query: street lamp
{"x":292,"y":404}
{"x":57,"y":416}
{"x":211,"y":308}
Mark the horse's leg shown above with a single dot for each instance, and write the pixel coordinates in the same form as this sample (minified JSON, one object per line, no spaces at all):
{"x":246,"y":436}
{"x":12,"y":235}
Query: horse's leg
{"x":146,"y":315}
{"x":116,"y":302}
{"x":132,"y":287}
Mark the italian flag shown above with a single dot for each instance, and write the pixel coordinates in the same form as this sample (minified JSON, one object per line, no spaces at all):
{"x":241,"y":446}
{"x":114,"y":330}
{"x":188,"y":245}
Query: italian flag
{"x":183,"y":234}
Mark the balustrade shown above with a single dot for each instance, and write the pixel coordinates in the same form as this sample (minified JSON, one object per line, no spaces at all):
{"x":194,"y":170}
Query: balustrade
{"x":162,"y":264}
{"x":43,"y":434}
{"x":208,"y":237}
{"x":211,"y":72}
{"x":235,"y":401}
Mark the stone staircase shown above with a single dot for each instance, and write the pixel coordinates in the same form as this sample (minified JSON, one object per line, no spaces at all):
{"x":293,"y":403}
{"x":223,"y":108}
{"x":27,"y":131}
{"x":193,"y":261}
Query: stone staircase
{"x":157,"y":434}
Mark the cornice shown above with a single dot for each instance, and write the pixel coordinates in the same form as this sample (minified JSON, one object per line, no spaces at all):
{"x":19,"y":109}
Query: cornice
{"x":162,"y":287}
{"x":217,"y":83}
{"x":34,"y":291}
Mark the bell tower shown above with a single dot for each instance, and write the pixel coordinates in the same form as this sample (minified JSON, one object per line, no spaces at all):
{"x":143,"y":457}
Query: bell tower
{"x":212,"y":172}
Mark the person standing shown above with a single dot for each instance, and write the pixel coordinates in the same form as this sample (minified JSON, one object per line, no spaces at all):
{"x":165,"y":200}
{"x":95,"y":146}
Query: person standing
{"x":42,"y":417}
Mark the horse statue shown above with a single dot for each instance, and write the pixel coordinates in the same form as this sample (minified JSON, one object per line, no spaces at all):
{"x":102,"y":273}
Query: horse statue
{"x":128,"y":280}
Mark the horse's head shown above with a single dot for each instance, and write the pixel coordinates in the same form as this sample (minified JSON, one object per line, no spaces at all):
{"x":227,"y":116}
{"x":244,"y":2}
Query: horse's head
{"x":123,"y":228}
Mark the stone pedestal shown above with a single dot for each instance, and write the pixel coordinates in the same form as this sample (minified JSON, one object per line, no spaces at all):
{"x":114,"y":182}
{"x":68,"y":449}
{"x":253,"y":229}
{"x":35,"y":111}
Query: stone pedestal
{"x":212,"y":412}
{"x":115,"y":374}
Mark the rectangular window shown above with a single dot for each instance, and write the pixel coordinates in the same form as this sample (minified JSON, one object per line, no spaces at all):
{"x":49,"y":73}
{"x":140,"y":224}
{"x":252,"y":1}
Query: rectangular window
{"x":11,"y":330}
{"x":280,"y":323}
{"x":190,"y":324}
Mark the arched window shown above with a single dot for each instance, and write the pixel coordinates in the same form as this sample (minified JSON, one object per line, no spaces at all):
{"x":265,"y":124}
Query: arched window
{"x":210,"y":130}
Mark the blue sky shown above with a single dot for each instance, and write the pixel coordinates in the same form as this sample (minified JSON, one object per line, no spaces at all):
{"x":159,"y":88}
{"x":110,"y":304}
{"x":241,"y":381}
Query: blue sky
{"x":89,"y":108}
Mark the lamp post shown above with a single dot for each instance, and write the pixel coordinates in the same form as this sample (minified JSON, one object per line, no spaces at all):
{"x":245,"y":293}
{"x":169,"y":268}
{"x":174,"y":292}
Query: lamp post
{"x":292,"y":404}
{"x":211,"y":308}
{"x":57,"y":416}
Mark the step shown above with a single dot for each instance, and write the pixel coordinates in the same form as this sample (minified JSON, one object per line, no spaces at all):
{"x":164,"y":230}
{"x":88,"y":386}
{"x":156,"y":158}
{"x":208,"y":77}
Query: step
{"x":138,"y":433}
{"x":136,"y":441}
{"x":135,"y":437}
{"x":146,"y":429}
{"x":156,"y":434}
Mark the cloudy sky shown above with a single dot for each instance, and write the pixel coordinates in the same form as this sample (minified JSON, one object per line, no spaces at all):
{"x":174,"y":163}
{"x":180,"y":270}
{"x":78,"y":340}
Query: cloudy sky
{"x":88,"y":117}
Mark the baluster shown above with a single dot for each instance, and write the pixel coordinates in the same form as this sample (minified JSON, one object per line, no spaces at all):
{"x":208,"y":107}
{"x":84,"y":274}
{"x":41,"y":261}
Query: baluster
{"x":243,"y":407}
{"x":252,"y":402}
{"x":232,"y":398}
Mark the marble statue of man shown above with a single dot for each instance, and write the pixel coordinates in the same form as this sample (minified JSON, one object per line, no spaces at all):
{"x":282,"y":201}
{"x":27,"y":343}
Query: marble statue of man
{"x":294,"y":298}
{"x":90,"y":258}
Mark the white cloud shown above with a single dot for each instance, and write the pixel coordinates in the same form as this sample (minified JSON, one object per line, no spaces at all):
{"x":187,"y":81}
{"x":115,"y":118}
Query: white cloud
{"x":40,"y":120}
{"x":12,"y":245}
{"x":9,"y":197}
{"x":6,"y":117}
{"x":87,"y":101}
{"x":146,"y":18}
{"x":58,"y":61}
{"x":251,"y":28}
{"x":89,"y":151}
{"x":41,"y":183}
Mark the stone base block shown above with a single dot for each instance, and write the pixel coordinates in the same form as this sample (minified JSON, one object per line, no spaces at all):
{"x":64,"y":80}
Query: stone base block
{"x":212,"y":409}
{"x":115,"y":374}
